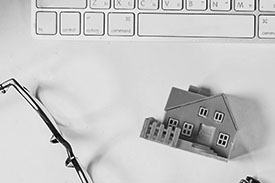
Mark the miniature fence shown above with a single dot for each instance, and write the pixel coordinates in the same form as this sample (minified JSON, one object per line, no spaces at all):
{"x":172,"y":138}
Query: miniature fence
{"x":155,"y":131}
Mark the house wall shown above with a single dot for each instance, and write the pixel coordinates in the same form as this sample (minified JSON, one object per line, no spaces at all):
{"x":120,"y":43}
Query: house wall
{"x":189,"y":113}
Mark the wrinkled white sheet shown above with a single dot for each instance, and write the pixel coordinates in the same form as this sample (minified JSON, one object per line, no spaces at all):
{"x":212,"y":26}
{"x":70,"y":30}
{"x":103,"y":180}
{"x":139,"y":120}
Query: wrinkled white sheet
{"x":101,"y":92}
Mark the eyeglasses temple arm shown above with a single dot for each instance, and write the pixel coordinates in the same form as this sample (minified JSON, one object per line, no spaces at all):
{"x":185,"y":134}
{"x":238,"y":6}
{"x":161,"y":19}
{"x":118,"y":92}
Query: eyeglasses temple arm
{"x":34,"y":104}
{"x":42,"y":113}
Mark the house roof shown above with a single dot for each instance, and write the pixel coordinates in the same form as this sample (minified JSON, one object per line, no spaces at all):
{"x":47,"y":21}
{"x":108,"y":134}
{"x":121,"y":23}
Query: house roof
{"x":180,"y":98}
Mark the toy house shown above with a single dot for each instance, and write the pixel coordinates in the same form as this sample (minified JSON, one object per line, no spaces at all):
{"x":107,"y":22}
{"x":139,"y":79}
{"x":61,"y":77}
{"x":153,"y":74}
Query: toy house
{"x":196,"y":122}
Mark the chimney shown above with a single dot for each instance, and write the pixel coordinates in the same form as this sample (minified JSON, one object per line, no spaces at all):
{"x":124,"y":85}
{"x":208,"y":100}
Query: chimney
{"x":200,"y":90}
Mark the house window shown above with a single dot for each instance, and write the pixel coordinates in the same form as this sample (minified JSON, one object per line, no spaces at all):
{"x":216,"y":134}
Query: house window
{"x":218,"y":116}
{"x":187,"y":129}
{"x":223,"y":140}
{"x":173,"y":122}
{"x":203,"y":112}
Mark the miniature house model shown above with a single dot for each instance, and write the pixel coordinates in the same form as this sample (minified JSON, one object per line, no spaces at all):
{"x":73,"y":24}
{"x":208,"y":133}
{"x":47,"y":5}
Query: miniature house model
{"x":196,"y":122}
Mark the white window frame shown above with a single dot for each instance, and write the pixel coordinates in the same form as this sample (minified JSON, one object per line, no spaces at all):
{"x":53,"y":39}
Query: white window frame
{"x":173,"y":122}
{"x":218,"y":116}
{"x":187,"y":129}
{"x":223,"y":139}
{"x":203,"y":112}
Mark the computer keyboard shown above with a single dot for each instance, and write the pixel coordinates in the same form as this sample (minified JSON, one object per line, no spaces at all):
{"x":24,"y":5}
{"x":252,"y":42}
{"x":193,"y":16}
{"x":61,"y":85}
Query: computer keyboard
{"x":173,"y":20}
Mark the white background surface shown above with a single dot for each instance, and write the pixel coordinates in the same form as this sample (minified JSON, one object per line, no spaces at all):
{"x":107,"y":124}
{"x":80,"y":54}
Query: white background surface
{"x":101,"y":92}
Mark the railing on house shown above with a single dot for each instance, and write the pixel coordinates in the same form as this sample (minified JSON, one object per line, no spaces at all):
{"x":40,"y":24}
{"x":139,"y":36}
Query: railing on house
{"x":155,"y":131}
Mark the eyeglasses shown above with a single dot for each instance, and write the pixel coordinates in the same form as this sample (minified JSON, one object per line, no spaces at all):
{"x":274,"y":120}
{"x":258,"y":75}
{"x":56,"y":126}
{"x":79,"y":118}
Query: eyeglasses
{"x":57,"y":136}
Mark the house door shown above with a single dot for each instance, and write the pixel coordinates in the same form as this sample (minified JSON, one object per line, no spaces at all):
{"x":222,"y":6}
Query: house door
{"x":206,"y":134}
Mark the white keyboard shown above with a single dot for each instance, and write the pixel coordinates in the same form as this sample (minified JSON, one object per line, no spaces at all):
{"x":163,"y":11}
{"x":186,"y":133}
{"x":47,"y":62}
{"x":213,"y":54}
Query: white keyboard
{"x":199,"y":20}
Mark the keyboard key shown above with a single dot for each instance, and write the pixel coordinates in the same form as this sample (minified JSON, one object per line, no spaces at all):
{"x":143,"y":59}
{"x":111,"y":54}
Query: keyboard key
{"x":124,"y":4}
{"x":121,"y":24}
{"x":61,"y":3}
{"x":198,"y":26}
{"x":196,"y":4}
{"x":69,"y":23}
{"x":220,"y":5}
{"x":267,"y":26}
{"x":267,"y":5}
{"x":100,"y":4}
{"x":148,"y":4}
{"x":94,"y":24}
{"x":172,"y":4}
{"x":46,"y":23}
{"x":244,"y":5}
